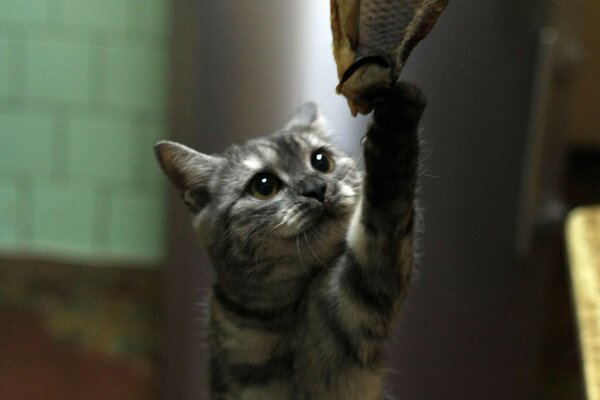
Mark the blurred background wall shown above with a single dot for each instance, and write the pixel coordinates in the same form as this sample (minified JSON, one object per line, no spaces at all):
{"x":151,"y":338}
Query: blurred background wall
{"x":83,"y":88}
{"x":83,"y":96}
{"x":583,"y":119}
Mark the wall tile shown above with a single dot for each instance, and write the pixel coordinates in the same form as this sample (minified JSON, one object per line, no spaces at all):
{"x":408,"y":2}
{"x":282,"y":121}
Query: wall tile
{"x":23,"y":10}
{"x":108,"y":14}
{"x":26,"y":144}
{"x":155,"y":15}
{"x":16,"y":66}
{"x":8,"y":213}
{"x":58,"y":71}
{"x":89,"y":82}
{"x":100,"y":149}
{"x":137,"y":78}
{"x":63,"y":216}
{"x":4,"y":67}
{"x":137,"y":225}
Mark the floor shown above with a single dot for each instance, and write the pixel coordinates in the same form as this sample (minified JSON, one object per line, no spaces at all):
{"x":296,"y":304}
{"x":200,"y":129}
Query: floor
{"x":35,"y":366}
{"x":75,"y":332}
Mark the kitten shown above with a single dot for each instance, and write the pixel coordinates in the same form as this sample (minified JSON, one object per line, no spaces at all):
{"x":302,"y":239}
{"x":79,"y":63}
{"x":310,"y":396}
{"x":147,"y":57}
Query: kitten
{"x":312,"y":258}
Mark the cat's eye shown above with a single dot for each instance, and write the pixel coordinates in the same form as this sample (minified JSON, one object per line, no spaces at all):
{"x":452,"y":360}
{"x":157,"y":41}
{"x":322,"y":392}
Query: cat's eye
{"x":321,"y":160}
{"x":264,"y":186}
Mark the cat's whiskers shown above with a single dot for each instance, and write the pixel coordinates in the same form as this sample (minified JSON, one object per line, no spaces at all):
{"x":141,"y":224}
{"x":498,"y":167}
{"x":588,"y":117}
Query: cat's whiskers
{"x":300,"y":257}
{"x":296,"y":219}
{"x":312,"y":251}
{"x":352,"y":169}
{"x":339,"y":229}
{"x":291,"y":222}
{"x":256,"y":260}
{"x":283,"y":221}
{"x":320,"y":235}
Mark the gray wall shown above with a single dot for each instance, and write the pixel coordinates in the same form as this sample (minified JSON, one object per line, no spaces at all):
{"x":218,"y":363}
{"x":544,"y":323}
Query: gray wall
{"x":470,"y":327}
{"x":471,"y":324}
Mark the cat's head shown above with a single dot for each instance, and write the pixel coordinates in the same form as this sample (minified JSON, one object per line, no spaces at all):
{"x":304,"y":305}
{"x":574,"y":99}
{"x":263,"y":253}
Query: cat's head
{"x":285,"y":195}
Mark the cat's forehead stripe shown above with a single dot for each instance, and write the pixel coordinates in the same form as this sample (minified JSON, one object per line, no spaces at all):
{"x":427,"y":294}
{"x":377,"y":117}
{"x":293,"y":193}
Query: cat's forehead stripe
{"x":305,"y":141}
{"x":269,"y":154}
{"x":314,"y":141}
{"x":259,"y":155}
{"x":253,"y":163}
{"x":277,"y":151}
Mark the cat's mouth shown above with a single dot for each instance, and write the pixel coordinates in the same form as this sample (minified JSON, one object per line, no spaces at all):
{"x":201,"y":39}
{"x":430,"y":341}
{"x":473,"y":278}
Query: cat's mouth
{"x":308,"y":220}
{"x":311,"y":220}
{"x":314,"y":225}
{"x":317,"y":225}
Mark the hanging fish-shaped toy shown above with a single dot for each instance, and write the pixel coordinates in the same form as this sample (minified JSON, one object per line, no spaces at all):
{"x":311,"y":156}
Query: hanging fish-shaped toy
{"x":372,"y":40}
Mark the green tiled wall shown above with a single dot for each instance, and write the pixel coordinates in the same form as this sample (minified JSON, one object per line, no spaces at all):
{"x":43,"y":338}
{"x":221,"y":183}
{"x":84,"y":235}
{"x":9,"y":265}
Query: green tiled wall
{"x":105,"y":14}
{"x":113,"y":150}
{"x":26,"y":141}
{"x":3,"y":67}
{"x":57,"y":71}
{"x":8,"y":212}
{"x":24,"y":10}
{"x":82,"y":99}
{"x":63,"y":216}
{"x":130,"y":68}
{"x":134,"y":217}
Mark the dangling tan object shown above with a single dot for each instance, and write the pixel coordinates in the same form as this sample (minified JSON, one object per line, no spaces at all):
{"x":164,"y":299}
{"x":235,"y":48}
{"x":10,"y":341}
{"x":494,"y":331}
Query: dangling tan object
{"x":372,"y":40}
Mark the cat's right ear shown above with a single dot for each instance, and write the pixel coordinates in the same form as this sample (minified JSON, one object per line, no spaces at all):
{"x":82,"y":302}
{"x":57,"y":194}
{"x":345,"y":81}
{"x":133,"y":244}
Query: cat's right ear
{"x":190,"y":171}
{"x":308,"y":115}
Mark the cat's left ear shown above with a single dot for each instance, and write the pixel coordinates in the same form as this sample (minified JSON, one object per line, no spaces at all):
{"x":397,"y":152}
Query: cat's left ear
{"x":308,"y":115}
{"x":190,"y":171}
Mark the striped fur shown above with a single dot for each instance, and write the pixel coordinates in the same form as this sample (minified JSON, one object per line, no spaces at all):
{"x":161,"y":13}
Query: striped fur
{"x":307,"y":291}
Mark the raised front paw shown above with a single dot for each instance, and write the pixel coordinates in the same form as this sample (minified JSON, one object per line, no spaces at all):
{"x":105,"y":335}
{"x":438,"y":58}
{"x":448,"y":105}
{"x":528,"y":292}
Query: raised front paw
{"x":401,"y":105}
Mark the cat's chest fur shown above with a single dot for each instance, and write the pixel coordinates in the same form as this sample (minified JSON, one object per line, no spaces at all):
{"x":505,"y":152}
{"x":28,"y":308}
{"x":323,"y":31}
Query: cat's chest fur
{"x":288,"y":345}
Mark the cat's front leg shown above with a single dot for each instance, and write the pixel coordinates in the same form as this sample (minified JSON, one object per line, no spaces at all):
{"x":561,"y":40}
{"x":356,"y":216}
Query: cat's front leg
{"x":391,"y":154}
{"x":373,"y":276}
{"x":383,"y":223}
{"x":360,"y":300}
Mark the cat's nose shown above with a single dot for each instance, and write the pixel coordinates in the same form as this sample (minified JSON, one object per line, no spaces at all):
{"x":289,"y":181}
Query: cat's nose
{"x":314,"y":189}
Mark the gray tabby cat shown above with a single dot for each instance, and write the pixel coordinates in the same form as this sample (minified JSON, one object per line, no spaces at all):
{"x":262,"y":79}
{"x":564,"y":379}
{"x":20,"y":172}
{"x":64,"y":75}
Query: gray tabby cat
{"x":312,"y":259}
